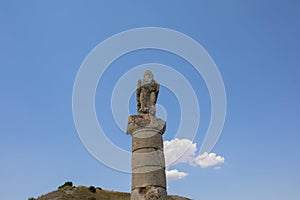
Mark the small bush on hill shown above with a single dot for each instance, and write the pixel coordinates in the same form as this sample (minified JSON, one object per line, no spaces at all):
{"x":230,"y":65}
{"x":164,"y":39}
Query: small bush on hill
{"x":92,"y":189}
{"x":68,"y":183}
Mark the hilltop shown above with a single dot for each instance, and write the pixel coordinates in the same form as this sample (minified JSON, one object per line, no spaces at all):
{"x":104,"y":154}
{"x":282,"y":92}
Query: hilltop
{"x":70,"y":192}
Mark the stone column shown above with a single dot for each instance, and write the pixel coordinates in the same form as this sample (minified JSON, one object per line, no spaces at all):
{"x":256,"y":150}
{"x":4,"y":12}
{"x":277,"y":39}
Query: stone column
{"x":148,"y":163}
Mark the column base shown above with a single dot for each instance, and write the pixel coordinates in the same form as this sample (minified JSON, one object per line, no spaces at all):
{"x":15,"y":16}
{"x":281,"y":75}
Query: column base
{"x":149,"y":193}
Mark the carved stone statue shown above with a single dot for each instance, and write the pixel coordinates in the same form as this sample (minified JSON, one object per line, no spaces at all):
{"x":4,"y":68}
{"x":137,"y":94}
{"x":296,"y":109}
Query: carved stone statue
{"x":146,"y":94}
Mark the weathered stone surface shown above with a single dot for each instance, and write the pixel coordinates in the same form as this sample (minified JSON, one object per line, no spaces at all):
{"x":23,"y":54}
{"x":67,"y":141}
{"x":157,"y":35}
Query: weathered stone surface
{"x":146,"y":94}
{"x":153,"y":178}
{"x":153,"y":142}
{"x":146,"y":169}
{"x":154,"y":158}
{"x":149,"y":193}
{"x":140,"y":122}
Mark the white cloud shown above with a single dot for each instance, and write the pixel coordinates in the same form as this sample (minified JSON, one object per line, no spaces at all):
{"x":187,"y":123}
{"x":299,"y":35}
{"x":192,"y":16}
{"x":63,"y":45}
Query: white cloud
{"x":208,"y":159}
{"x":184,"y":151}
{"x":175,"y":174}
{"x":174,"y":151}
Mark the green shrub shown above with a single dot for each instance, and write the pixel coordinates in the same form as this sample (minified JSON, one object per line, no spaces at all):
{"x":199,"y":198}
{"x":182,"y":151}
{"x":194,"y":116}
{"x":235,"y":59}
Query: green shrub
{"x":99,"y":188}
{"x":92,"y":189}
{"x":68,"y":183}
{"x":31,"y":198}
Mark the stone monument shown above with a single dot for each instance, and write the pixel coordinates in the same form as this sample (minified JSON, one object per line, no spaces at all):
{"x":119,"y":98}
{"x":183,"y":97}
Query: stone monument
{"x":148,"y":162}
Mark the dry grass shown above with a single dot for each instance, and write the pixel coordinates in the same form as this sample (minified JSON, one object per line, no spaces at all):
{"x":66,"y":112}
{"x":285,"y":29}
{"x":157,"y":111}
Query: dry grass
{"x":83,"y":193}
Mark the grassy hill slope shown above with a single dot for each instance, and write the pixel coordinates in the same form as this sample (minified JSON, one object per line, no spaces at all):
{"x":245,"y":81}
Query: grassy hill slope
{"x":89,"y":193}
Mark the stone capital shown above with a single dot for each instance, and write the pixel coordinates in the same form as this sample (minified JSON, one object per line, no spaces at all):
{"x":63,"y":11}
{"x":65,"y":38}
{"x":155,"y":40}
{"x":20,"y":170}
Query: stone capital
{"x":146,"y":121}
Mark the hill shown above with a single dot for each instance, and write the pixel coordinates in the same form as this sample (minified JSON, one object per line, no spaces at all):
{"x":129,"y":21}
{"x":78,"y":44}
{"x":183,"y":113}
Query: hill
{"x":69,"y":192}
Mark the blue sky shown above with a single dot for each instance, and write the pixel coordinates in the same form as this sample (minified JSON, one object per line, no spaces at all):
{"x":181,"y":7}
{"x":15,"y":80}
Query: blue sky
{"x":255,"y":45}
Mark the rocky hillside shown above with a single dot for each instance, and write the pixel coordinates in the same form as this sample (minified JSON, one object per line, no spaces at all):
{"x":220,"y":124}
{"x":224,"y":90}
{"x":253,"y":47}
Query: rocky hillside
{"x":70,"y":192}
